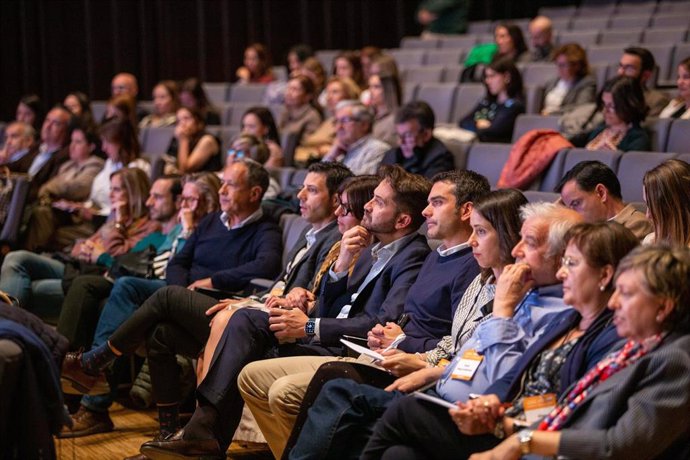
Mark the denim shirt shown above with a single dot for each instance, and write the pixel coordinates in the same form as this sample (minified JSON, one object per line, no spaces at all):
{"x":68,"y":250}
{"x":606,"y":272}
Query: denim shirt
{"x":501,"y":341}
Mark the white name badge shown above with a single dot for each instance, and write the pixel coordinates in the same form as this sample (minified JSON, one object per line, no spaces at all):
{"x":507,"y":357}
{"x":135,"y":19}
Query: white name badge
{"x":467,"y":366}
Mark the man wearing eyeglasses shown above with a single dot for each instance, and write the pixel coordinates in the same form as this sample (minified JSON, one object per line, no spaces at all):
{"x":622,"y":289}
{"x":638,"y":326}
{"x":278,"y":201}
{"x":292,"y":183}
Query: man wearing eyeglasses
{"x":354,"y":146}
{"x":639,"y":63}
{"x":419,"y":151}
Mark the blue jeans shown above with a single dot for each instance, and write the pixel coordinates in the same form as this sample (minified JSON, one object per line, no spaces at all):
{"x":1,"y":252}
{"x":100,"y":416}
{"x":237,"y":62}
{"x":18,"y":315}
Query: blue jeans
{"x":341,"y":420}
{"x":127,"y":295}
{"x":35,"y":280}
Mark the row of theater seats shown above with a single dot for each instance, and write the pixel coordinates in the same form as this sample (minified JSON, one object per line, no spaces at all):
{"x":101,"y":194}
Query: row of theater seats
{"x":488,"y":159}
{"x":610,"y":13}
{"x":667,"y":135}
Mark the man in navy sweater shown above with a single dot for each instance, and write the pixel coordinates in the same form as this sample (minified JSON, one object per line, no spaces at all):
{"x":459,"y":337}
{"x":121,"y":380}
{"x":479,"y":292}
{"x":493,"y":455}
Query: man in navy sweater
{"x":226,"y":251}
{"x":349,"y":304}
{"x":429,"y":303}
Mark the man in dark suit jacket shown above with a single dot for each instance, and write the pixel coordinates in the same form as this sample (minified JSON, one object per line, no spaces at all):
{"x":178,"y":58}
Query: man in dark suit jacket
{"x":53,"y":150}
{"x":419,"y":151}
{"x":374,"y":293}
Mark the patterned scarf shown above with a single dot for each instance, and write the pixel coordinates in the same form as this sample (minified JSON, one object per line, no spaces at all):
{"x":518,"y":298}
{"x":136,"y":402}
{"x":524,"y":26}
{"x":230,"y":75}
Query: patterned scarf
{"x":616,"y":361}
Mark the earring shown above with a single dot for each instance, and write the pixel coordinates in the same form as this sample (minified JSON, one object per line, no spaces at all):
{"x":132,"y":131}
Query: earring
{"x":602,"y":288}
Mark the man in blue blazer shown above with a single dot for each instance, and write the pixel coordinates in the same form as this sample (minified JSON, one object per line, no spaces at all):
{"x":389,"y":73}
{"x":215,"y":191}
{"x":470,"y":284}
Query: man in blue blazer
{"x":348,"y":305}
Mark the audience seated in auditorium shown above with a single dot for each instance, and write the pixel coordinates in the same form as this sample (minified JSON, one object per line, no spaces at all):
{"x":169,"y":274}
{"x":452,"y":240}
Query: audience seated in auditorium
{"x":72,"y":182}
{"x":257,"y":66}
{"x":316,"y":145}
{"x":37,"y":280}
{"x":192,"y":147}
{"x":639,"y":63}
{"x":80,"y":310}
{"x":20,"y":148}
{"x":493,"y":118}
{"x":273,"y":389}
{"x":354,"y":144}
{"x":166,"y":100}
{"x":623,"y":105}
{"x":419,"y":152}
{"x":540,"y":31}
{"x":176,"y":319}
{"x":80,"y":105}
{"x":496,"y":322}
{"x":193,"y":96}
{"x":258,"y":121}
{"x":679,"y":107}
{"x":80,"y":316}
{"x":592,"y":189}
{"x":562,"y":355}
{"x":120,"y":144}
{"x":316,"y":207}
{"x":125,"y":84}
{"x":574,"y":84}
{"x":30,"y":111}
{"x":393,"y":217}
{"x":666,"y":192}
{"x":634,"y":402}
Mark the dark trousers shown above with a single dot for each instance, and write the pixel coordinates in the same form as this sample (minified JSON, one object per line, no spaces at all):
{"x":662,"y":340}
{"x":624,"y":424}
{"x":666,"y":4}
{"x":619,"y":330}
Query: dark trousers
{"x":246,"y":339}
{"x":415,"y":429}
{"x":356,"y":372}
{"x":81,"y":309}
{"x":172,"y":321}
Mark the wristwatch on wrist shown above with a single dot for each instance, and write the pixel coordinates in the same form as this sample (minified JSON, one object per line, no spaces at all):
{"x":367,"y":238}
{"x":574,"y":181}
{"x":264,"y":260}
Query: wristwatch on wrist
{"x":525,"y":438}
{"x":310,"y":327}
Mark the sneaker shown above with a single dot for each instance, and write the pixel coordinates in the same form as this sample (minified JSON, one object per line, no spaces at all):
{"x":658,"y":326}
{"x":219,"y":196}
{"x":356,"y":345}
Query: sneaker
{"x":86,"y":422}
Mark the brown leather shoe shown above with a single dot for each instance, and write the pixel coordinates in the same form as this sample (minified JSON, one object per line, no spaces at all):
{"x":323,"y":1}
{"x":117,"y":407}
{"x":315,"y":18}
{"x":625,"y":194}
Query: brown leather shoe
{"x":157,"y":437}
{"x":176,"y":446}
{"x":74,"y":374}
{"x":86,"y":422}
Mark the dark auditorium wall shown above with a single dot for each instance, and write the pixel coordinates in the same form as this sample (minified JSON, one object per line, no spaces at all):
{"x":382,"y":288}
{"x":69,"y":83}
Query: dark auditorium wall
{"x":51,"y":47}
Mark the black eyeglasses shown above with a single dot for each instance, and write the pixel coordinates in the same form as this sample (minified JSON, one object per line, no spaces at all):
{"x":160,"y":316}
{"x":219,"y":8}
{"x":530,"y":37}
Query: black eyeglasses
{"x":345,"y":210}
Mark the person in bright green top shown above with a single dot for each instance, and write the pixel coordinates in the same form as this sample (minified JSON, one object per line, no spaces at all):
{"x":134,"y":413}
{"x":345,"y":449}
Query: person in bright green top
{"x":443,"y":16}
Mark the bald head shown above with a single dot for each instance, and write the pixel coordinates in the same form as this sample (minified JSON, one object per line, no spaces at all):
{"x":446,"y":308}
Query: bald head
{"x":124,"y":84}
{"x":540,"y":31}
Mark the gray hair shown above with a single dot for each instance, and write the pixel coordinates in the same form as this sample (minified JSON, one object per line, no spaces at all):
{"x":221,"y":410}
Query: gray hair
{"x":28,"y":131}
{"x":360,"y":112}
{"x":560,"y":219}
